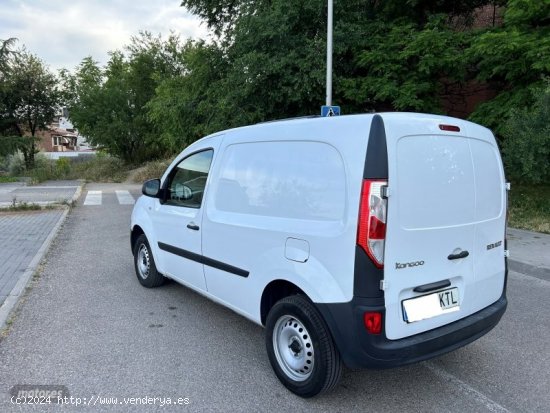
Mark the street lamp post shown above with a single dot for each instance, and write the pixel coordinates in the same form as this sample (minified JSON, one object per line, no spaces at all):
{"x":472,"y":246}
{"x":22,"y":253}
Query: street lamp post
{"x":329,"y":53}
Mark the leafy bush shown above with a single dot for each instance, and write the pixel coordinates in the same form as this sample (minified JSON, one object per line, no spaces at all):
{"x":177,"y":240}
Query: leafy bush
{"x":513,"y":58}
{"x":529,"y":207}
{"x":44,"y":169}
{"x":100,"y":169}
{"x":93,"y":168}
{"x":15,"y":164}
{"x":151,"y":170}
{"x":4,"y":163}
{"x":63,"y":166}
{"x":7,"y":179}
{"x":526,"y":146}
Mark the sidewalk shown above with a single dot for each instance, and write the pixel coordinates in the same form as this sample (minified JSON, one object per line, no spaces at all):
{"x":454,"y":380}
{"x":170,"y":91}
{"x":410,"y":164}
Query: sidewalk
{"x":24,"y":240}
{"x":529,"y":253}
{"x":46,"y":193}
{"x":26,"y":236}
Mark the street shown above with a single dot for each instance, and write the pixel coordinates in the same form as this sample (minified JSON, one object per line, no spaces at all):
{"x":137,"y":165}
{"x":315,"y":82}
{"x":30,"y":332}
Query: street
{"x":87,"y":324}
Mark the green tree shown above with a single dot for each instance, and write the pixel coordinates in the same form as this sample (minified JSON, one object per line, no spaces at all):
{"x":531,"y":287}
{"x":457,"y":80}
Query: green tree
{"x":526,"y":144}
{"x":6,"y":54}
{"x":514,"y":59}
{"x":221,"y":15}
{"x":189,"y":106}
{"x":109,"y":105}
{"x":9,"y":140}
{"x":30,"y":98}
{"x":276,"y":62}
{"x":407,"y":66}
{"x":387,"y":55}
{"x":407,"y":55}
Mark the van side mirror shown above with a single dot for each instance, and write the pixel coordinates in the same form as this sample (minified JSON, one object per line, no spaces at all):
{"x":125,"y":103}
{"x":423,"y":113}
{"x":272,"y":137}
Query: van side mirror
{"x":151,"y":188}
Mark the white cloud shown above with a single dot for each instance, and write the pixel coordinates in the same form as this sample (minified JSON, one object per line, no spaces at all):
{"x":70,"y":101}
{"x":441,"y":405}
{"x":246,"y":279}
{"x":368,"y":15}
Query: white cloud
{"x":63,"y":32}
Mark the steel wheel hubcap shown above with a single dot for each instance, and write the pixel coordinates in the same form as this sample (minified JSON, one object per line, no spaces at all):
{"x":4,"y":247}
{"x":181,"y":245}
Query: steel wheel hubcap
{"x":143,"y":263}
{"x":293,"y":348}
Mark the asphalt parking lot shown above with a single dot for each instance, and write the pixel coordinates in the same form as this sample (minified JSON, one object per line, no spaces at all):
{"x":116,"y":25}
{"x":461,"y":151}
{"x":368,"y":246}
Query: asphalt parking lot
{"x":88,"y":325}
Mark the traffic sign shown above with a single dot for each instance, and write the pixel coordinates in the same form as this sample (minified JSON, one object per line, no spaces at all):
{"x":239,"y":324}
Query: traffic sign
{"x":330,"y":111}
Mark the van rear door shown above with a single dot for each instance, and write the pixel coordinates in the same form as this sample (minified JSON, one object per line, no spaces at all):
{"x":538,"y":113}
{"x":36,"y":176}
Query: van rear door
{"x":444,"y":250}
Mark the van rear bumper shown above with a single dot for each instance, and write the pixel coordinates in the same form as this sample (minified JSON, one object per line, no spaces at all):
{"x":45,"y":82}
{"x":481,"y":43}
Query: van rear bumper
{"x":359,"y":349}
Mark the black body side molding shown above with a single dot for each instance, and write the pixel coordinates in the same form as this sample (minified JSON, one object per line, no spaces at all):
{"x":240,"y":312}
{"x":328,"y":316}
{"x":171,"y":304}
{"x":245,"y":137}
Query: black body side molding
{"x":203,"y":260}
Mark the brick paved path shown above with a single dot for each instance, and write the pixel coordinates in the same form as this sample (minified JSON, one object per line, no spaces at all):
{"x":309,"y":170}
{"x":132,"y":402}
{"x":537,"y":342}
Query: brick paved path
{"x":21,"y":236}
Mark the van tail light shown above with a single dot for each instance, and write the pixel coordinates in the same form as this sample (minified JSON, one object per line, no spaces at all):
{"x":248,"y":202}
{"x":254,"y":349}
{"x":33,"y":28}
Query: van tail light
{"x":371,"y":231}
{"x":373,"y":322}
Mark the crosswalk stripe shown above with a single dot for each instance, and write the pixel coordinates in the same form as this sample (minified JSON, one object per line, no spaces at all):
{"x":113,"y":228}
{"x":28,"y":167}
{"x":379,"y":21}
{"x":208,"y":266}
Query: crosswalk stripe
{"x":124,"y":198}
{"x":93,"y":198}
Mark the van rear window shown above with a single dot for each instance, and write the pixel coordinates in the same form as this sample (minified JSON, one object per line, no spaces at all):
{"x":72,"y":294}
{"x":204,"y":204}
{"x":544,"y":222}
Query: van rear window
{"x":297,"y":180}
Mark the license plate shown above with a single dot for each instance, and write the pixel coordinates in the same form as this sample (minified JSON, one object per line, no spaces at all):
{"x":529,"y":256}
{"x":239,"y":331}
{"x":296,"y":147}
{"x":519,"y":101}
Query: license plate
{"x":431,"y":305}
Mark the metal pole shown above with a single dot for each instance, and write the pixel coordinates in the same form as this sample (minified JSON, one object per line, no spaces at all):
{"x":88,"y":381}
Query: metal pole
{"x":329,"y":52}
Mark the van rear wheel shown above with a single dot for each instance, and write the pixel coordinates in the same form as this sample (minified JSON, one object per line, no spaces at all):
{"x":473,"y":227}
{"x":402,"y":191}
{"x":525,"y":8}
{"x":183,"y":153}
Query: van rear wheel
{"x":300,"y":347}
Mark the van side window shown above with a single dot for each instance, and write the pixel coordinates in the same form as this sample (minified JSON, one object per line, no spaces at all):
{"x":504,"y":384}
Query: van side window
{"x":292,"y":180}
{"x":187,"y":180}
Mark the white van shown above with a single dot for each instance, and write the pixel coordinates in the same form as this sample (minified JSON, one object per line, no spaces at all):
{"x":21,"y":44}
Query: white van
{"x":372,"y":240}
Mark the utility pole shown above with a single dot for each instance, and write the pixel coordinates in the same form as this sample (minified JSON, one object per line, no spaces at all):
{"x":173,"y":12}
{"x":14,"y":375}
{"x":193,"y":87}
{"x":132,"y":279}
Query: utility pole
{"x":329,"y":52}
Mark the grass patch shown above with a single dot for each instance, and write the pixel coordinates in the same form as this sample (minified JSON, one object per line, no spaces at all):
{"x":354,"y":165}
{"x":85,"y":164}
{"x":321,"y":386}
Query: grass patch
{"x":7,"y":179}
{"x":150,"y":170}
{"x":530,"y":207}
{"x":92,"y":169}
{"x":99,"y":169}
{"x":23,"y":206}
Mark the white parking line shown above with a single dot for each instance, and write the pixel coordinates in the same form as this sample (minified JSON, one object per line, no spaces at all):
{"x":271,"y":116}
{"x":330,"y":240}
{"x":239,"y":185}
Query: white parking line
{"x":124,"y":198}
{"x":93,"y":198}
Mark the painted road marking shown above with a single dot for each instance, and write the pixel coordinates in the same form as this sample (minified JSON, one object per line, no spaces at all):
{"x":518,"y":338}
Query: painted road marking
{"x":93,"y":198}
{"x":124,"y":198}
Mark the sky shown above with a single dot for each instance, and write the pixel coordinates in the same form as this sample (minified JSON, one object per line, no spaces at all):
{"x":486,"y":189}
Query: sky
{"x":63,"y":32}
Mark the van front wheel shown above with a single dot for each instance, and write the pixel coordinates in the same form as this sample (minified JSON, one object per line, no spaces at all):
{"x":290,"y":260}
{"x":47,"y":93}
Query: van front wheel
{"x":300,"y":347}
{"x":144,"y":264}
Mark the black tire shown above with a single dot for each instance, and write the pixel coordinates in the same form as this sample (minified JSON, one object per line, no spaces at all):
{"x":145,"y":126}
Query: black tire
{"x":288,"y":321}
{"x":144,"y":264}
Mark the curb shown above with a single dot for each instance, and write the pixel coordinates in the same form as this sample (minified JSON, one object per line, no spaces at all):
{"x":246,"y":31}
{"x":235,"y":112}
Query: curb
{"x":78,"y":192}
{"x":15,"y":294}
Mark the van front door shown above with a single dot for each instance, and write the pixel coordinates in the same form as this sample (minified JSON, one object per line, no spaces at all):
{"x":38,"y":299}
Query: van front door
{"x":178,"y":219}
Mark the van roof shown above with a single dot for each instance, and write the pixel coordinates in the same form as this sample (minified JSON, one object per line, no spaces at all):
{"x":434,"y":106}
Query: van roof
{"x":288,"y":119}
{"x":399,"y":117}
{"x":307,"y":118}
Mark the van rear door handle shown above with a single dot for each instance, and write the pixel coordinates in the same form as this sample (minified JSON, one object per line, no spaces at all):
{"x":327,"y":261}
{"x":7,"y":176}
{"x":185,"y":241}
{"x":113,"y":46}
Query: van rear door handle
{"x":433,"y":286}
{"x":193,"y":226}
{"x":462,"y":254}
